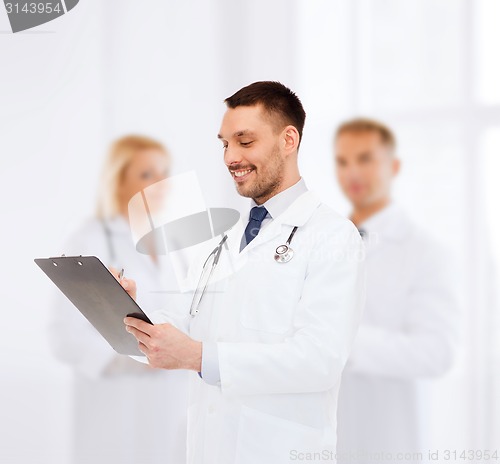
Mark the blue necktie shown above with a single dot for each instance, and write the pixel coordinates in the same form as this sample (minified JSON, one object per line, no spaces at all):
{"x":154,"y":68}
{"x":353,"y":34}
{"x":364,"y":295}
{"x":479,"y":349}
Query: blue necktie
{"x":257,"y":215}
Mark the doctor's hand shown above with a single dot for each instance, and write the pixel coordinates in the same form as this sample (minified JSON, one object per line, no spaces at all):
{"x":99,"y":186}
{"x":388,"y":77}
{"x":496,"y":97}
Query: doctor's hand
{"x":165,"y":346}
{"x":128,"y":284}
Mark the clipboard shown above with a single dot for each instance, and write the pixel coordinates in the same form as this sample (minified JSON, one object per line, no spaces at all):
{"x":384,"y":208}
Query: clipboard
{"x":95,"y":292}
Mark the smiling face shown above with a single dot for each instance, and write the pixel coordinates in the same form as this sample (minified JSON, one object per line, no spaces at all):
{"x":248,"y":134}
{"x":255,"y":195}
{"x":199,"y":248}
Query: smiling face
{"x":365,"y":167}
{"x":261,"y":157}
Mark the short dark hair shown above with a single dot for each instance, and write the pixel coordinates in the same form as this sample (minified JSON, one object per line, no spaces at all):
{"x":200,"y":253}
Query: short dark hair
{"x":282,"y":105}
{"x":369,"y":125}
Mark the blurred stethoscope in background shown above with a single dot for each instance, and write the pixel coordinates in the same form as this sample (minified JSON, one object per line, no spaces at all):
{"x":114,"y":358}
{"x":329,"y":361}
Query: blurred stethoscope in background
{"x":283,"y":254}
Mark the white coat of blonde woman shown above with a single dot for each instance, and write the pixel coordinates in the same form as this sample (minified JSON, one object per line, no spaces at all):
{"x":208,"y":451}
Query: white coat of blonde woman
{"x":124,"y":412}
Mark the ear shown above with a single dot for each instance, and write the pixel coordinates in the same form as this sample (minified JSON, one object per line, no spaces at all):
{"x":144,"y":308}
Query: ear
{"x":291,"y":139}
{"x":396,"y":166}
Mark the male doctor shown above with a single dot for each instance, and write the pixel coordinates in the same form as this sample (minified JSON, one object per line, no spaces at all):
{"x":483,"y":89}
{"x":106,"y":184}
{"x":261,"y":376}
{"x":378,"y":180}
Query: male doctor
{"x":408,"y":330}
{"x":269,"y":339}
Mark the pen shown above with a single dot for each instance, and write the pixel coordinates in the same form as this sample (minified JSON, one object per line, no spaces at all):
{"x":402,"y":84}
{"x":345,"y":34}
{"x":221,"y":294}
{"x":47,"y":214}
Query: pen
{"x":120,"y":276}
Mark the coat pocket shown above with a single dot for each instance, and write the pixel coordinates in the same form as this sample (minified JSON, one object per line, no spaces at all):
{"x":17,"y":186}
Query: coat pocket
{"x":267,"y":439}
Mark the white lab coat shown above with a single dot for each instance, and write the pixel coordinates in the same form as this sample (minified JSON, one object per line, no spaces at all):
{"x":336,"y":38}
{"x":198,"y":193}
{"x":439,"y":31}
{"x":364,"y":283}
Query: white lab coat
{"x":124,"y":412}
{"x":408,"y":332}
{"x":283,"y":333}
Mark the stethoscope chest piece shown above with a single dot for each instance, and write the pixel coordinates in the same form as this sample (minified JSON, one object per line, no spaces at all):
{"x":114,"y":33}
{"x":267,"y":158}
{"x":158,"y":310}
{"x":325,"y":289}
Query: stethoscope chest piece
{"x":283,"y":254}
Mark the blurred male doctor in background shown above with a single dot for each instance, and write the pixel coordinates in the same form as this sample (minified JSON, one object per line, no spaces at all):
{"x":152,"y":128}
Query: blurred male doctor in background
{"x":409,"y":323}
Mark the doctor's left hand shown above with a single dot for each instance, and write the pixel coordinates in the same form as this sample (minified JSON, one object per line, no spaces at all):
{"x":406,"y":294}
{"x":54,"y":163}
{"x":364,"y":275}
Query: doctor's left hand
{"x":165,"y":346}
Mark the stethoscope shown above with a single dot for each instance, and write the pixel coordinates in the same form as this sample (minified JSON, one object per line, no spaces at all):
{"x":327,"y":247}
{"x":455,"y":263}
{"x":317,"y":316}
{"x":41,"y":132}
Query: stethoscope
{"x":205,"y":276}
{"x":284,"y":253}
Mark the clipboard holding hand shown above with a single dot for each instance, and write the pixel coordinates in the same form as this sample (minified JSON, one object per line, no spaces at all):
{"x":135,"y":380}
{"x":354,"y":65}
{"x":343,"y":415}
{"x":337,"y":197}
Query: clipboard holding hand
{"x":96,"y":293}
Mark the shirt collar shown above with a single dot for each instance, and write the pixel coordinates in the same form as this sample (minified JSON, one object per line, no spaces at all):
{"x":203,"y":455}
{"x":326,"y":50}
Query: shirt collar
{"x":280,"y":202}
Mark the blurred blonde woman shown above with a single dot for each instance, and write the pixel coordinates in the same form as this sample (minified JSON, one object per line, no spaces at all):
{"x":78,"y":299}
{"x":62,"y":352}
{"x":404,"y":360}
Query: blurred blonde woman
{"x":108,"y":427}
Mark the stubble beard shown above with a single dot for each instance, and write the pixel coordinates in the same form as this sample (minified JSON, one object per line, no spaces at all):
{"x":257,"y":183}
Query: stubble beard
{"x":268,"y":182}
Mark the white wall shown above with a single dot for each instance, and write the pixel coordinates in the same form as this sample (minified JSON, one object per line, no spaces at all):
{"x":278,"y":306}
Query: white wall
{"x":50,"y":140}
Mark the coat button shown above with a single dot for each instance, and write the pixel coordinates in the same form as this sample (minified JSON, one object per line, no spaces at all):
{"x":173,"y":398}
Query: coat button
{"x":211,"y":409}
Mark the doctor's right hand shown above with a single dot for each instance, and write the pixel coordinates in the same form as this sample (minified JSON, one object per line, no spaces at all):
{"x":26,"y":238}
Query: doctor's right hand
{"x":128,"y":284}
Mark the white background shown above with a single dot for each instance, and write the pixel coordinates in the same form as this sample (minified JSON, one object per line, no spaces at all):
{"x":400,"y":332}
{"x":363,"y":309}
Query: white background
{"x":429,"y":68}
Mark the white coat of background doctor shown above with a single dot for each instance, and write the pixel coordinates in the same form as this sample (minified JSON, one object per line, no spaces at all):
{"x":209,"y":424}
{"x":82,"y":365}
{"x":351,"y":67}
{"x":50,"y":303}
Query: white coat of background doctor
{"x":114,"y":397}
{"x":270,"y":340}
{"x":409,"y":326}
